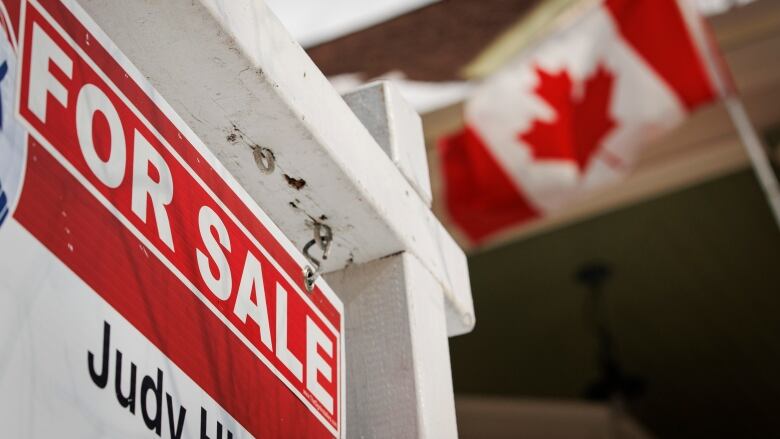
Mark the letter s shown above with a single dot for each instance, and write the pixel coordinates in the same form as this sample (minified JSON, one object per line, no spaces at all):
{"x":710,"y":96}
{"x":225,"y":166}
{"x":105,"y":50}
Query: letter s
{"x":221,"y":284}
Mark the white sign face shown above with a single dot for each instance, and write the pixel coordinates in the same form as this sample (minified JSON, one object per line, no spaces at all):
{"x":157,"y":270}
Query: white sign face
{"x":142,"y":292}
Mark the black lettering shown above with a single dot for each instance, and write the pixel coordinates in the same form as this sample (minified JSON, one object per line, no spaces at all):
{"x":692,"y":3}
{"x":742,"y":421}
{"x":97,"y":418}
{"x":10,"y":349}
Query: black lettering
{"x":203,"y":424}
{"x":175,"y":433}
{"x":101,"y":379}
{"x":128,"y":392}
{"x":204,"y":427}
{"x":148,"y":384}
{"x":129,"y":400}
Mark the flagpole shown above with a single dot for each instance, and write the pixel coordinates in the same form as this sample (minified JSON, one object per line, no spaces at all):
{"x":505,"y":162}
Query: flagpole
{"x":756,"y":152}
{"x":716,"y":66}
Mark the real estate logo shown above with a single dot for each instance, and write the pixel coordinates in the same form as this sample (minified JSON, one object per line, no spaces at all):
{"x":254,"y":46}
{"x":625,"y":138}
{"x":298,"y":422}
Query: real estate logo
{"x":12,"y":134}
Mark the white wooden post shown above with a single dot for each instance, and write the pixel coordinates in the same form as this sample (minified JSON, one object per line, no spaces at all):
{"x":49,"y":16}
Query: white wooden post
{"x":398,"y":364}
{"x":239,"y":81}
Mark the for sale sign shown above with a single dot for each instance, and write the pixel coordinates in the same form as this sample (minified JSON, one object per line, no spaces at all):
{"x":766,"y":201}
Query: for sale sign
{"x":142,"y":292}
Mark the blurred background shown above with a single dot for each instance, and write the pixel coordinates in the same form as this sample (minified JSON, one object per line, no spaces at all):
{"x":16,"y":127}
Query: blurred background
{"x":647,"y":309}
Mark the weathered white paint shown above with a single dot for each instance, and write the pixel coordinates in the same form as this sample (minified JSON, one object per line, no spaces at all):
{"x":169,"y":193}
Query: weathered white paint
{"x":398,"y":374}
{"x":238,"y":79}
{"x":397,"y":129}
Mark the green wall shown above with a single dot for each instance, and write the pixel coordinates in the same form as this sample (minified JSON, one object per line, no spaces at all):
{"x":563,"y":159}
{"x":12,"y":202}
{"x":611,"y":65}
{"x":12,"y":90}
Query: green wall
{"x":694,"y":304}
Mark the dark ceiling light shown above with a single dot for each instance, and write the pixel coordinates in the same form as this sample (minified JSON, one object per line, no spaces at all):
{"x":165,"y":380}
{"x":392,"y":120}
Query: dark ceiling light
{"x":612,"y":384}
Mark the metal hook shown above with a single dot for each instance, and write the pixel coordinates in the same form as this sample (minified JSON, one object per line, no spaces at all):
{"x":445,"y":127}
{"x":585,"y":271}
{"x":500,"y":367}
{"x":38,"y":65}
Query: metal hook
{"x":323,"y":240}
{"x":312,"y":260}
{"x":323,"y":237}
{"x":264,"y":158}
{"x":309,"y":277}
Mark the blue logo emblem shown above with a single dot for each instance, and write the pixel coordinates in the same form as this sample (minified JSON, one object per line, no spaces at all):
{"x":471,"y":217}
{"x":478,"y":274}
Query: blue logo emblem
{"x":3,"y":204}
{"x":3,"y":72}
{"x":13,"y":136}
{"x":3,"y":197}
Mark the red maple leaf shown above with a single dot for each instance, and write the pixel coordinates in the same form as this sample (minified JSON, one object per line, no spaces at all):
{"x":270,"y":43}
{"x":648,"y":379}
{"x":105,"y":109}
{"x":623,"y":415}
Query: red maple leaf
{"x":581,"y":122}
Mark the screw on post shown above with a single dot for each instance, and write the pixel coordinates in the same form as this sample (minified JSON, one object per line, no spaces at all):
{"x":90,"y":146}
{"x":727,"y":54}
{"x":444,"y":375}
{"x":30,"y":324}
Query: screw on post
{"x":323,"y":237}
{"x":264,"y":158}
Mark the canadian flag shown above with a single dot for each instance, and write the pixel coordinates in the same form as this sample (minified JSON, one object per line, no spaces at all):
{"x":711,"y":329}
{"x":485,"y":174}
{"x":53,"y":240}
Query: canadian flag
{"x":571,"y":115}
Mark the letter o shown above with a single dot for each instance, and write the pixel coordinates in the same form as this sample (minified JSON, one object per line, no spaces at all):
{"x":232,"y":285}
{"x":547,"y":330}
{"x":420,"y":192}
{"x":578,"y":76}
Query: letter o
{"x":90,"y":100}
